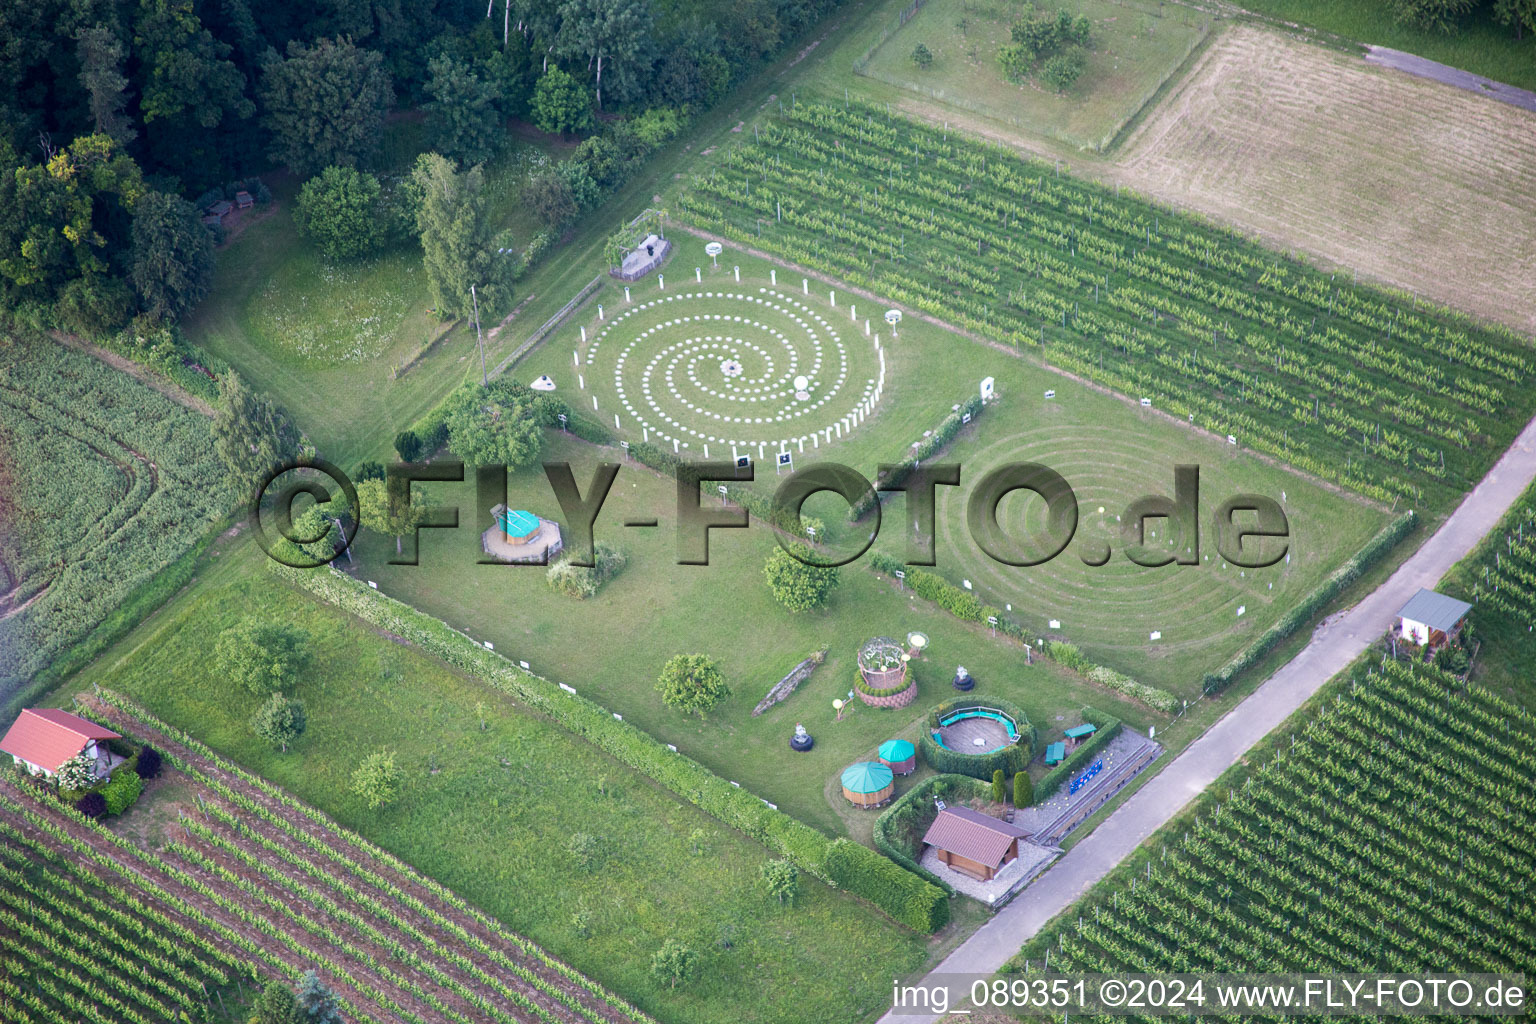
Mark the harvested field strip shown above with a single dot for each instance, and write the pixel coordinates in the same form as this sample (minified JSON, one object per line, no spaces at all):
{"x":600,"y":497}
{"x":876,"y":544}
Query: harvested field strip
{"x":254,"y":876}
{"x":1412,"y":182}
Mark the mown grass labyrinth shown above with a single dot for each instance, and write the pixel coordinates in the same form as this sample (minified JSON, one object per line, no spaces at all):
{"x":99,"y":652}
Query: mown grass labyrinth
{"x":1395,"y":834}
{"x":739,"y":368}
{"x":1389,"y":398}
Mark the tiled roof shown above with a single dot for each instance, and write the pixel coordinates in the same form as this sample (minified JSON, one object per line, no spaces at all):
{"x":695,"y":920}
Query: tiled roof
{"x":972,"y":835}
{"x":47,"y":737}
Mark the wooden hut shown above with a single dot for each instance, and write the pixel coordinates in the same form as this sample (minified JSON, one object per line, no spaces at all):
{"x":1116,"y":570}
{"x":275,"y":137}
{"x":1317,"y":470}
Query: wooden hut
{"x":1431,"y":618}
{"x":973,"y":843}
{"x":899,"y":756}
{"x":868,"y":784}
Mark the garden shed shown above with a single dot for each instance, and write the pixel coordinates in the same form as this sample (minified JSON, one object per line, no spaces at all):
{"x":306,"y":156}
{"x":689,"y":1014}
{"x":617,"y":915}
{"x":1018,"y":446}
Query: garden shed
{"x":868,"y":784}
{"x":1431,"y":618}
{"x":973,"y":843}
{"x":41,"y":740}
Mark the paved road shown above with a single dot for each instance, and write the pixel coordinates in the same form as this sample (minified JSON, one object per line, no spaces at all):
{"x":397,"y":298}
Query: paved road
{"x":1335,"y":644}
{"x":1426,"y":68}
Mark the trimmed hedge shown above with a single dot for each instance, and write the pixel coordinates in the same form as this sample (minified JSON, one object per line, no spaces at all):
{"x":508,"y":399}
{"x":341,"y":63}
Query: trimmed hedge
{"x":886,"y":691}
{"x":1013,"y":758}
{"x":124,"y":788}
{"x":1108,"y":728}
{"x":910,"y":900}
{"x":1375,"y":549}
{"x":945,"y":432}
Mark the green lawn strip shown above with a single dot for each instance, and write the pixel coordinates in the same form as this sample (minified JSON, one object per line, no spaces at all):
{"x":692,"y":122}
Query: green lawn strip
{"x":1479,"y":45}
{"x":479,"y":808}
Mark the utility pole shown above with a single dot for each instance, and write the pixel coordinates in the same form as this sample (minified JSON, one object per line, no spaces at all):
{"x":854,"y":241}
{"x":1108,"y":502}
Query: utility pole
{"x":484,"y":380}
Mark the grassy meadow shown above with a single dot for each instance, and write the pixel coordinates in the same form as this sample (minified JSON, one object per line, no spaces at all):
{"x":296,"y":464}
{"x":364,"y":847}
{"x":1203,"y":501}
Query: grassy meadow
{"x":1134,"y":47}
{"x":493,"y":795}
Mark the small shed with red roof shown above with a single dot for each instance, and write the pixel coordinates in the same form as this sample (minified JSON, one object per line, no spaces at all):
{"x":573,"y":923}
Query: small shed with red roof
{"x":42,"y":739}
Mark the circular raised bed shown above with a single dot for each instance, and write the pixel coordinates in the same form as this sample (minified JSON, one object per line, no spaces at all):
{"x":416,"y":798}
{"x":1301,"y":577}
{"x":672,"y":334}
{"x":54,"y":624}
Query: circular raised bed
{"x":883,"y":680}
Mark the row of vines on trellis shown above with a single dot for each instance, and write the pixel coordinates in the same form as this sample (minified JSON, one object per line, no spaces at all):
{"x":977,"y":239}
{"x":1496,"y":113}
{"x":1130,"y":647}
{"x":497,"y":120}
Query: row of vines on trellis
{"x":1395,"y":833}
{"x":252,"y":882}
{"x":1394,"y":399}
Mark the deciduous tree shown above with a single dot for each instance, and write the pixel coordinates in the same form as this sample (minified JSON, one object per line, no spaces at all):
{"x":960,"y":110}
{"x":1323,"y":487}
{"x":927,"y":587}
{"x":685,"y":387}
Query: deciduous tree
{"x":457,"y":241}
{"x":377,"y":779}
{"x":251,"y":433}
{"x":464,"y":112}
{"x":560,"y":104}
{"x":486,"y":427}
{"x":339,"y":210}
{"x":279,"y":720}
{"x":325,"y":104}
{"x":674,"y":963}
{"x":171,"y":255}
{"x":263,"y":657}
{"x":781,"y":879}
{"x":614,"y":36}
{"x":796,"y":585}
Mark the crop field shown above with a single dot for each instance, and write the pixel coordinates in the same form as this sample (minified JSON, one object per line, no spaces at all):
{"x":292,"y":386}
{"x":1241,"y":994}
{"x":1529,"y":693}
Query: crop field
{"x":1396,"y":834}
{"x":1404,"y":180}
{"x":492,"y":797}
{"x":1499,"y":578}
{"x":1376,"y":393}
{"x":256,"y":881}
{"x":106,"y":482}
{"x":1135,"y":46}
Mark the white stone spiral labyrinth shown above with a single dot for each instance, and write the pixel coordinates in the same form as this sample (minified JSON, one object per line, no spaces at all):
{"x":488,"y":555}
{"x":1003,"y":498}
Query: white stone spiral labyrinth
{"x":738,"y":369}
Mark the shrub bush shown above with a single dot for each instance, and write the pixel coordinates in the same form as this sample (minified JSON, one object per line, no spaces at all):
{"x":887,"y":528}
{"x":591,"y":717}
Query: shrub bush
{"x":999,"y":787}
{"x":583,"y":581}
{"x":92,"y":805}
{"x":121,"y":792}
{"x":147,"y":764}
{"x":1023,"y":790}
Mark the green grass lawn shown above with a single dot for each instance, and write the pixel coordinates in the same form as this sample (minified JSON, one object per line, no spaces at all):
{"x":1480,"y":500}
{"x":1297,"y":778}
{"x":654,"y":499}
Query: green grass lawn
{"x":1134,"y":47}
{"x":1479,"y":45}
{"x":341,"y":344}
{"x":1111,"y":451}
{"x":489,"y":812}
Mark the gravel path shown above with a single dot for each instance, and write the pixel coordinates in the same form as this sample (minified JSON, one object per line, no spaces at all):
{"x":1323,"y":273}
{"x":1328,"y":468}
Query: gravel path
{"x":1426,"y":68}
{"x":1335,"y":644}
